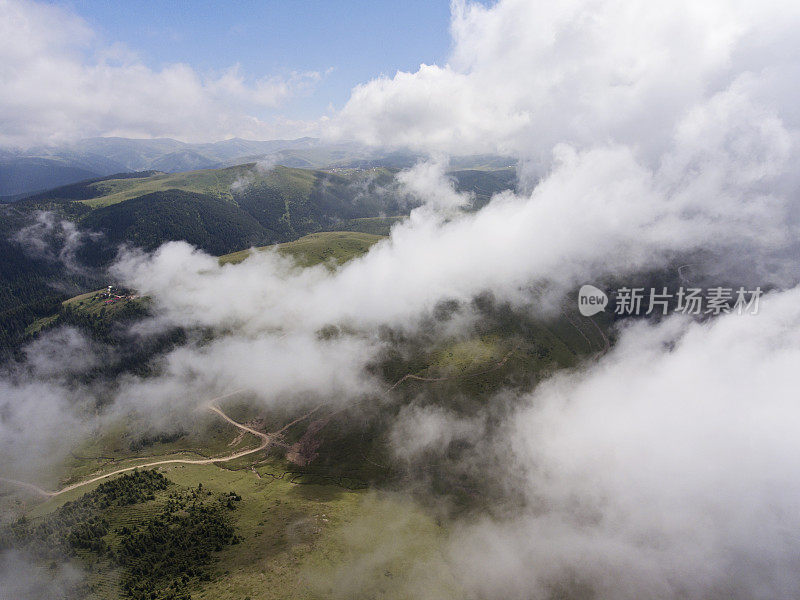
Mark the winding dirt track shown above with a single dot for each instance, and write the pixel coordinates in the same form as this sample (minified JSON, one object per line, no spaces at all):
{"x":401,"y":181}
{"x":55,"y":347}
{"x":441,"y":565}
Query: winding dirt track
{"x":494,"y":367}
{"x":265,"y":441}
{"x":266,"y":438}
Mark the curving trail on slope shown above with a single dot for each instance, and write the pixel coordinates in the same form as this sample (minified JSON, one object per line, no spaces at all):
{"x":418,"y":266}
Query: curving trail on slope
{"x":266,"y":439}
{"x":494,"y":367}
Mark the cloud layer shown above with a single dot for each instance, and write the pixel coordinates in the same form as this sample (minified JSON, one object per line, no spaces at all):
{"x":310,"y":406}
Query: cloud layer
{"x":524,"y":76}
{"x":647,"y":134}
{"x":667,"y":470}
{"x":58,"y":84}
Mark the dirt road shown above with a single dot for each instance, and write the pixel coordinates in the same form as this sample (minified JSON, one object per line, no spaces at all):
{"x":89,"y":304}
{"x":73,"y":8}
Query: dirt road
{"x":265,"y":441}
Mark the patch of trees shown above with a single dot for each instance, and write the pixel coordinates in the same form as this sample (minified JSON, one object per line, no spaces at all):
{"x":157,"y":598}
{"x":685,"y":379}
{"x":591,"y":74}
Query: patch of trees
{"x":126,"y":352}
{"x":160,"y":556}
{"x":14,"y":321}
{"x":81,"y":524}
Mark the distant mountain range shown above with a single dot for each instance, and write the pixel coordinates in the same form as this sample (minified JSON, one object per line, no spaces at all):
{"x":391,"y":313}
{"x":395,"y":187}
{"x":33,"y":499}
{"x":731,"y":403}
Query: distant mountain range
{"x":36,"y":169}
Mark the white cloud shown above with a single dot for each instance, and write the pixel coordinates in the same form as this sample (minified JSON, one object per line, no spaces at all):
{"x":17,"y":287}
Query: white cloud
{"x":598,"y":213}
{"x":40,"y":412}
{"x":296,"y":369}
{"x":57,"y":83}
{"x":524,"y":76}
{"x":53,"y":239}
{"x":666,"y":470}
{"x":21,"y":577}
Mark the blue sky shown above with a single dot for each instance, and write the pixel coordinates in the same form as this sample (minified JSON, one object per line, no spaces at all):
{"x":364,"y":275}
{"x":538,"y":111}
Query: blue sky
{"x":356,"y":39}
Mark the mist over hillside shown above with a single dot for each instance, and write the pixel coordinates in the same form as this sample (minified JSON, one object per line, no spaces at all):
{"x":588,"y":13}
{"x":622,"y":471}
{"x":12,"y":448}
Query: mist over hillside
{"x":521,"y":323}
{"x":61,"y":241}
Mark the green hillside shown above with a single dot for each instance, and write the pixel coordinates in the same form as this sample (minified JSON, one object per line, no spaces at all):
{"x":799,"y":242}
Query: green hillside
{"x":97,"y":312}
{"x":262,"y":205}
{"x":218,"y":183}
{"x":283,"y":522}
{"x":373,"y":225}
{"x":218,"y":210}
{"x":213,"y":182}
{"x":86,"y":189}
{"x":104,"y":191}
{"x":327,"y":246}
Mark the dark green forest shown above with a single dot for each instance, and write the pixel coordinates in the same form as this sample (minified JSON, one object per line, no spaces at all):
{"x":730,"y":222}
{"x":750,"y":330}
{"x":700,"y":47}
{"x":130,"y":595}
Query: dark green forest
{"x":148,"y":221}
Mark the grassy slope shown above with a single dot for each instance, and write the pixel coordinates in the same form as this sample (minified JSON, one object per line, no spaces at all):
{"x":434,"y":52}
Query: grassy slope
{"x":373,"y":225}
{"x":39,"y":324}
{"x":299,"y":541}
{"x":90,"y":304}
{"x":306,"y":537}
{"x":326,"y":246}
{"x":297,"y":538}
{"x":214,"y":182}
